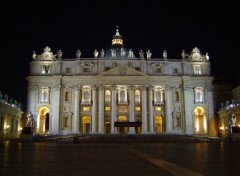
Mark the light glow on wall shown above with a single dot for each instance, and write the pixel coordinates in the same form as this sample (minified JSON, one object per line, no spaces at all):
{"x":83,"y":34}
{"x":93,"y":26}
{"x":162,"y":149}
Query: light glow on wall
{"x":197,"y":125}
{"x":205,"y":123}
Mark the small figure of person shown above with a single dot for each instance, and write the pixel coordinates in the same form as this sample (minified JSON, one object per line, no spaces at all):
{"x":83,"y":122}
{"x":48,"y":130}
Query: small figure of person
{"x":78,"y":54}
{"x":233,"y":118}
{"x":95,"y":53}
{"x":141,"y":54}
{"x":102,"y":53}
{"x":164,"y":54}
{"x":149,"y":54}
{"x":59,"y":54}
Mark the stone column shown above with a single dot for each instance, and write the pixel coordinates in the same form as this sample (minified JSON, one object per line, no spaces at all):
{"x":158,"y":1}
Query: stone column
{"x":31,"y":105}
{"x":32,"y":95}
{"x":168,"y":116}
{"x":131,"y":111}
{"x":144,"y":110}
{"x":76,"y":109}
{"x":54,"y":121}
{"x":188,"y":102}
{"x":113,"y":109}
{"x":210,"y":121}
{"x":101,"y":109}
{"x":150,"y":109}
{"x":94,"y":110}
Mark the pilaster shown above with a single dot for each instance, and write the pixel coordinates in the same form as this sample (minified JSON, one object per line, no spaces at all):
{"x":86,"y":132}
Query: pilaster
{"x":113,"y":112}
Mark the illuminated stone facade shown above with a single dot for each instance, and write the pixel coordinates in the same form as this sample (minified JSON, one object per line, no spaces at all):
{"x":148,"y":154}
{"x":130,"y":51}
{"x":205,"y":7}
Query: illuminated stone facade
{"x":229,"y":116}
{"x":10,"y":118}
{"x":88,"y":95}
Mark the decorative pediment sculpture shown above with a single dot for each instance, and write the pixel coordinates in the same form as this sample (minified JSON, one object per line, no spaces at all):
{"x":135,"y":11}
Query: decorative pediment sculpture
{"x":47,"y":55}
{"x":196,"y":56}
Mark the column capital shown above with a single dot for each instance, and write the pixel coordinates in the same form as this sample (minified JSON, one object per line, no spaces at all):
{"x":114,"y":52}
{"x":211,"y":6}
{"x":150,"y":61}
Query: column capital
{"x":131,"y":87}
{"x":150,"y":87}
{"x":187,"y":87}
{"x":144,"y":87}
{"x":32,"y":87}
{"x":100,"y":87}
{"x":76,"y":87}
{"x":57,"y":87}
{"x":209,"y":88}
{"x":114,"y":87}
{"x":94,"y":87}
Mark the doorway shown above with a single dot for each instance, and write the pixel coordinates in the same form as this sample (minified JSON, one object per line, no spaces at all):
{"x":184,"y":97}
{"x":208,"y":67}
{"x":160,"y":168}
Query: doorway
{"x":159,"y":124}
{"x":86,"y":124}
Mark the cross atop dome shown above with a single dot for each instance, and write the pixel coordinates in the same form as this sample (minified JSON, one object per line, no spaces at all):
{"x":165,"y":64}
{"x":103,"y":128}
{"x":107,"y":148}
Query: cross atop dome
{"x":117,"y":38}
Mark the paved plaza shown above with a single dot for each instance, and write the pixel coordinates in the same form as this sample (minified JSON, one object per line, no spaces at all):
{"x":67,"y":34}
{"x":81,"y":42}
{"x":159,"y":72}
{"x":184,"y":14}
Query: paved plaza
{"x":88,"y":157}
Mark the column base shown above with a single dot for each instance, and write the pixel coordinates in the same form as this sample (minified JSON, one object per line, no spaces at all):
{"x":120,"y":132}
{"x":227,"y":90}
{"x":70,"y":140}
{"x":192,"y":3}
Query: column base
{"x":131,"y":130}
{"x":101,"y":132}
{"x":93,"y":132}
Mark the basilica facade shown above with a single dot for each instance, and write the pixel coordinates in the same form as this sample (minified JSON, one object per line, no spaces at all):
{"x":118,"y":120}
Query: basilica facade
{"x":118,"y":91}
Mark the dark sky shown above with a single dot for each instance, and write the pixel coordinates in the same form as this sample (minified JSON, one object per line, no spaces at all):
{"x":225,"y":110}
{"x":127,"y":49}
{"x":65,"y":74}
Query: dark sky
{"x":28,"y":26}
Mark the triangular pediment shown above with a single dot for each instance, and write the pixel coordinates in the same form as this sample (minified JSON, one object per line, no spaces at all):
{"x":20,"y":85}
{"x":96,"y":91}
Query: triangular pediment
{"x":122,"y":70}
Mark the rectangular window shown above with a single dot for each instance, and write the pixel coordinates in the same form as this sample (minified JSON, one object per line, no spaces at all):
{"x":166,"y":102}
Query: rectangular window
{"x":107,"y":68}
{"x":68,"y":70}
{"x":197,"y":69}
{"x":107,"y":108}
{"x":138,"y":108}
{"x":45,"y":69}
{"x":157,"y":70}
{"x":86,"y":70}
{"x":137,"y":68}
{"x":86,"y":108}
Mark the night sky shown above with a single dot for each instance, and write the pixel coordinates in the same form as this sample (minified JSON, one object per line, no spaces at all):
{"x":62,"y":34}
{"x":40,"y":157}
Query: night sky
{"x":28,"y":26}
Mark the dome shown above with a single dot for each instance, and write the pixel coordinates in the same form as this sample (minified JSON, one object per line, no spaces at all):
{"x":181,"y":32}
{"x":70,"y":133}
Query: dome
{"x":117,"y":50}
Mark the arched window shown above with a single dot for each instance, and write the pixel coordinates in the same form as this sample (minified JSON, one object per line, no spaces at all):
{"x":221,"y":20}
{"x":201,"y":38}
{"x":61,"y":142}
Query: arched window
{"x":44,"y":95}
{"x":137,"y":96}
{"x":86,"y":96}
{"x":107,"y":96}
{"x":44,"y":98}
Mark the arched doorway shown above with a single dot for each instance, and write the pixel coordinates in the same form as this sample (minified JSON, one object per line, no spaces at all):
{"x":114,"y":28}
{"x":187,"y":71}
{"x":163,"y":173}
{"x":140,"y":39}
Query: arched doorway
{"x":159,"y":124}
{"x":86,"y":124}
{"x":200,"y":120}
{"x":43,"y":120}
